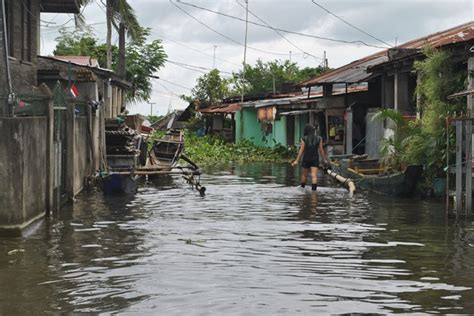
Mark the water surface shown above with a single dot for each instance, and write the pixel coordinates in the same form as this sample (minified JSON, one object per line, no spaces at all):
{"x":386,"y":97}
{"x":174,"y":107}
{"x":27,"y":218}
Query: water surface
{"x":255,"y":245}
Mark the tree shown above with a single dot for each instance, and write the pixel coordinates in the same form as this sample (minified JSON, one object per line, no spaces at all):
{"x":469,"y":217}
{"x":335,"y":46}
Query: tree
{"x":209,"y":90}
{"x":143,"y":59}
{"x":121,"y":16}
{"x":273,"y":76}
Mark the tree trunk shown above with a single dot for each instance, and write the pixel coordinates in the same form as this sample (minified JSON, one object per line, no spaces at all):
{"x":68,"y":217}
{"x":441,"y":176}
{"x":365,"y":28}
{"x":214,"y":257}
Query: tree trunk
{"x":109,"y":14}
{"x":121,"y":70}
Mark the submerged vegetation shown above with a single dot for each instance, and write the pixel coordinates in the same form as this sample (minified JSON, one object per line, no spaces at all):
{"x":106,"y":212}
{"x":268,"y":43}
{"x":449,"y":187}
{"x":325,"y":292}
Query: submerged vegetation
{"x":214,"y":150}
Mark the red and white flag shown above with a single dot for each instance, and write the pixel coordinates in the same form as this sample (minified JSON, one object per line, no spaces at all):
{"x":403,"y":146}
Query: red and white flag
{"x":74,"y":91}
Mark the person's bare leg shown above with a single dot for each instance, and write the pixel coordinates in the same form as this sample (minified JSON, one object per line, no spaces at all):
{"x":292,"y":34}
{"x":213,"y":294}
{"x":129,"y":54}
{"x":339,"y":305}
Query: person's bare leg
{"x":304,"y":177}
{"x":314,"y":178}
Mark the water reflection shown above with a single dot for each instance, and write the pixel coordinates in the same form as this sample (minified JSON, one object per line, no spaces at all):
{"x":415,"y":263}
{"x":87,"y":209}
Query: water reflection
{"x":256,"y":244}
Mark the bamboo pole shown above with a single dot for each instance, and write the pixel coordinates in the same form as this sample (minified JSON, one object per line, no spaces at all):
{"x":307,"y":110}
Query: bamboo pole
{"x":345,"y":181}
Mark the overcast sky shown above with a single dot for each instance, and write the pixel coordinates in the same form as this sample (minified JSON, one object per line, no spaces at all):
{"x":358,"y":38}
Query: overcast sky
{"x":186,"y":41}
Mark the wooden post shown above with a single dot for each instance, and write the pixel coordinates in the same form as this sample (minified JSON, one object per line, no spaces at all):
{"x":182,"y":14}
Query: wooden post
{"x":348,"y":136}
{"x":49,"y":151}
{"x":70,"y":139}
{"x":459,"y":166}
{"x":470,"y":97}
{"x":468,"y":164}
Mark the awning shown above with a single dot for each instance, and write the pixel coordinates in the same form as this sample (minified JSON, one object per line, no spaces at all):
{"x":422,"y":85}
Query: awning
{"x":300,"y":112}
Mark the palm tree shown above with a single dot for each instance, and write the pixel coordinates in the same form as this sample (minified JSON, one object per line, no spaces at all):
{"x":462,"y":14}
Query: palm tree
{"x":121,"y":17}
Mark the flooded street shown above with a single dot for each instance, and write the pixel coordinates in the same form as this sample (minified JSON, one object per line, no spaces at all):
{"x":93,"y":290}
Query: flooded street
{"x":255,"y":245}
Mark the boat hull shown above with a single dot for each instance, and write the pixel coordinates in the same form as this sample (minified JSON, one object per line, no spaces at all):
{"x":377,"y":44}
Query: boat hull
{"x":400,"y":184}
{"x":120,"y":184}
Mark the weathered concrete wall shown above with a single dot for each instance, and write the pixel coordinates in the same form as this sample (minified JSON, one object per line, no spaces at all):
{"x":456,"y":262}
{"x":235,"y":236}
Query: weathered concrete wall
{"x":23,"y":170}
{"x":23,"y":47}
{"x":81,"y":152}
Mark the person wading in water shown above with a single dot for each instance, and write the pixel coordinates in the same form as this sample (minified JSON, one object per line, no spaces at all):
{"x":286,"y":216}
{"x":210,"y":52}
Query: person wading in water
{"x":310,"y":145}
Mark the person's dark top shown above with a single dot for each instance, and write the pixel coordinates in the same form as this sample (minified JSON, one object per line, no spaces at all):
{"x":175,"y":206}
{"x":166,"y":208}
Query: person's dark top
{"x":311,"y":151}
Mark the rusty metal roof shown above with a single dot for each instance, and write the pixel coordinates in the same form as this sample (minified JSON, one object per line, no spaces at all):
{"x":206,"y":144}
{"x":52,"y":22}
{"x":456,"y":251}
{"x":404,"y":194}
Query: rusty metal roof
{"x":222,"y":109}
{"x":79,"y":60}
{"x":356,"y":71}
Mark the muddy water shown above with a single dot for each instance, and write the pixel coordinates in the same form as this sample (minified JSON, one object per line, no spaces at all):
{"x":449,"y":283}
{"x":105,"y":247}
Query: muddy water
{"x":255,"y":245}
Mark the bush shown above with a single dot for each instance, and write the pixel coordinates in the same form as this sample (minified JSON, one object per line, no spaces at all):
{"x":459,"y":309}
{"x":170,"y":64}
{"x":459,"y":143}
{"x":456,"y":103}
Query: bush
{"x":213,"y":149}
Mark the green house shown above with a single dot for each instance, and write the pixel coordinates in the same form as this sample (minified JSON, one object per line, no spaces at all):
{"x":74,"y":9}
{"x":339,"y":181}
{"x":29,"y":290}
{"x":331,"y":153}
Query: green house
{"x":279,"y":130}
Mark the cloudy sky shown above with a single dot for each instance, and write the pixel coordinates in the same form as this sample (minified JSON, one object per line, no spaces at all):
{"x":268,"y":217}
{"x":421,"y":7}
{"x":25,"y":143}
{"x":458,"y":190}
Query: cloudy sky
{"x":191,"y":45}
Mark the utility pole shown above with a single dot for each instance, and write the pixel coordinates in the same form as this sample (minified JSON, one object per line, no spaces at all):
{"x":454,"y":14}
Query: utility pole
{"x":290,"y":56}
{"x":151,"y":107}
{"x":245,"y":47}
{"x":214,"y":58}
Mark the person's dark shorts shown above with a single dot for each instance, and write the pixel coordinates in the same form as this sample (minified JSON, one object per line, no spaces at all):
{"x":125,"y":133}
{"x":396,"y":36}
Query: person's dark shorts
{"x":310,"y":164}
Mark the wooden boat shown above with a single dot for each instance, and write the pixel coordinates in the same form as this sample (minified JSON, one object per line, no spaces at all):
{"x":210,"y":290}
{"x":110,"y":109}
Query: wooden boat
{"x":167,"y":150}
{"x":368,"y":174}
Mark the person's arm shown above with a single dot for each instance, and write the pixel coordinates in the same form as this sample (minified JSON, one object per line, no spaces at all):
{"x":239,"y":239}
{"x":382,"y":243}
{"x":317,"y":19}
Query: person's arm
{"x":300,"y":153}
{"x":321,"y":151}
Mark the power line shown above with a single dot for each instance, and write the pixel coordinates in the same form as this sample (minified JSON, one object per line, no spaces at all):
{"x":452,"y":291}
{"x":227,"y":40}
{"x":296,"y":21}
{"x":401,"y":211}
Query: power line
{"x":278,"y":32}
{"x":350,"y":24}
{"x":169,"y":91}
{"x":274,"y":28}
{"x":221,"y":34}
{"x":174,"y":84}
{"x":201,"y":52}
{"x":198,"y":67}
{"x":188,"y":68}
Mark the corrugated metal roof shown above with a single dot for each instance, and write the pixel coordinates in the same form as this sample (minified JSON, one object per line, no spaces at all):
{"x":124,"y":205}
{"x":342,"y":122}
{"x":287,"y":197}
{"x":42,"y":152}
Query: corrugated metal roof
{"x":222,"y":109}
{"x":79,"y":60}
{"x":356,"y":71}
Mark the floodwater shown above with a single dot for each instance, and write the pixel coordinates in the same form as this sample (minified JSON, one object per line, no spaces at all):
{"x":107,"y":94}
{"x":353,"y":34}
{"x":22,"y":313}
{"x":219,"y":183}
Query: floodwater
{"x":255,"y":245}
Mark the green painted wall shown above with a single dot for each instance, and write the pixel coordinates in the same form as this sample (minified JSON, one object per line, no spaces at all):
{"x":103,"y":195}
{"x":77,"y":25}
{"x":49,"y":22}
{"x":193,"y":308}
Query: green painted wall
{"x":248,"y":127}
{"x":300,"y":122}
{"x":279,"y":131}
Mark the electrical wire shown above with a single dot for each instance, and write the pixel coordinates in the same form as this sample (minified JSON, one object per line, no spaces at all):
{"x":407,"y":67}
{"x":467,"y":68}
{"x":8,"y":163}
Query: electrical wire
{"x":279,"y":33}
{"x":223,"y":35}
{"x":350,"y":24}
{"x":197,"y":67}
{"x":201,"y":52}
{"x":356,"y":42}
{"x":175,"y":84}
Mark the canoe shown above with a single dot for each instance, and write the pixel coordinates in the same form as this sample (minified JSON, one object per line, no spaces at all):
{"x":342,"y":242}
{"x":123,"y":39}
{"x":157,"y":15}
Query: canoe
{"x":167,"y":150}
{"x":367,"y":175}
{"x":120,"y":184}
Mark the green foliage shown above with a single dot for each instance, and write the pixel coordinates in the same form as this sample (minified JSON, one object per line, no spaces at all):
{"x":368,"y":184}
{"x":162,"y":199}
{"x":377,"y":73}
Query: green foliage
{"x":424,"y":141}
{"x":212,"y":149}
{"x":440,"y":76}
{"x":143,"y":59}
{"x":210,"y":89}
{"x":263,"y":77}
{"x":398,"y":150}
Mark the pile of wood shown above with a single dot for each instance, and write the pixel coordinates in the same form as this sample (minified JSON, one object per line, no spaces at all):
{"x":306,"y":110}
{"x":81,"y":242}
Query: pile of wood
{"x":120,"y":139}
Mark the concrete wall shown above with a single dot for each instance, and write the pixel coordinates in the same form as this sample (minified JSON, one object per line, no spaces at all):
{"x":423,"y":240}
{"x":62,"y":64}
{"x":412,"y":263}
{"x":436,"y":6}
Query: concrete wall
{"x":23,"y":52}
{"x":374,"y":133}
{"x":23,"y":171}
{"x":81,"y":154}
